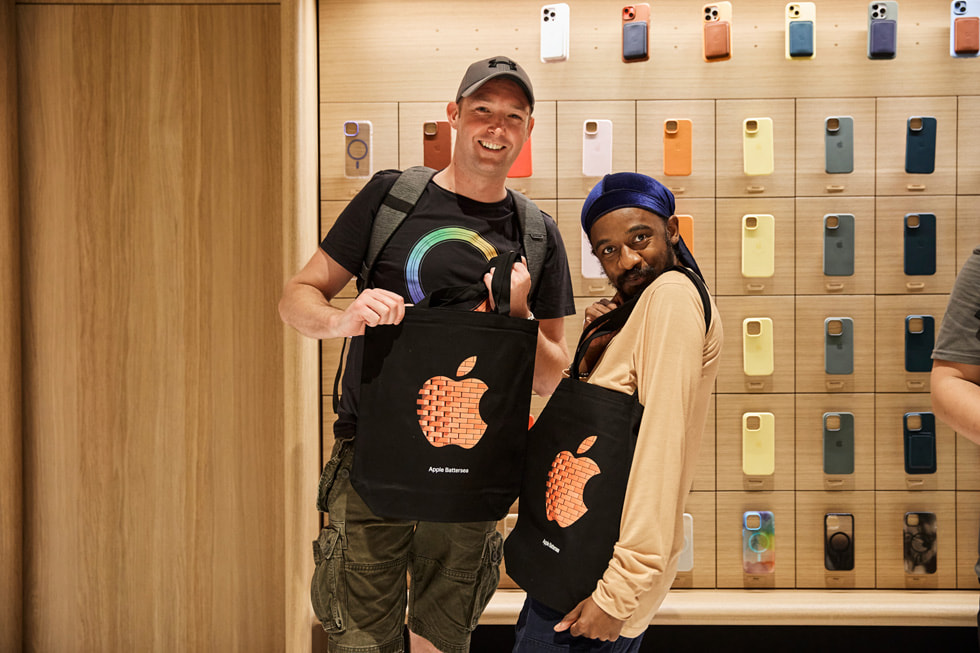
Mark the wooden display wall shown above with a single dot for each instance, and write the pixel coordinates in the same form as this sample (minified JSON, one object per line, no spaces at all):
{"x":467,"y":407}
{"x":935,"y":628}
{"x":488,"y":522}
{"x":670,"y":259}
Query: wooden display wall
{"x":396,"y":64}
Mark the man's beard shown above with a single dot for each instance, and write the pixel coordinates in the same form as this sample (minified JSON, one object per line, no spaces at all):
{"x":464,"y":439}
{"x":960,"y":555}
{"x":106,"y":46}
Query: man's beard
{"x":641,"y":276}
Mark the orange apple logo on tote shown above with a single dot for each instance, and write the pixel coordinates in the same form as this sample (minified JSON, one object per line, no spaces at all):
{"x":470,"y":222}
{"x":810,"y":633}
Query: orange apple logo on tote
{"x":563,"y":502}
{"x":449,"y":409}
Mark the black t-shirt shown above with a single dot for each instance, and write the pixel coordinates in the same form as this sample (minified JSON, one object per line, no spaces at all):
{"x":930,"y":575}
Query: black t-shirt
{"x":446,"y":240}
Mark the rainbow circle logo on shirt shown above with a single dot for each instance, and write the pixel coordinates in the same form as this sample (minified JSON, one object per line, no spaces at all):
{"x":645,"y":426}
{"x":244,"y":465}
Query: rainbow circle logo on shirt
{"x":432,"y":239}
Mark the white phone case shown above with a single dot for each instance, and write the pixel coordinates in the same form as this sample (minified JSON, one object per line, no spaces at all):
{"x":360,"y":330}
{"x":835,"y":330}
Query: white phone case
{"x":554,"y":32}
{"x":685,"y":562}
{"x":591,"y":267}
{"x":597,"y":147}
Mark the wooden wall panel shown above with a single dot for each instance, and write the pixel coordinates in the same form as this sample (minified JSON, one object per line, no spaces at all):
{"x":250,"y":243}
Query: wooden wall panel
{"x":152,"y":199}
{"x":11,"y":449}
{"x":371,"y":65}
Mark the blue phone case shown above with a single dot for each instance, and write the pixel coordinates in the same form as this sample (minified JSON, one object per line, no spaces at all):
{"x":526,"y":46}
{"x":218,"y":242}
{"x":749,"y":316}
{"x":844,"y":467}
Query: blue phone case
{"x":635,"y":40}
{"x":920,"y":444}
{"x":920,"y":244}
{"x":838,"y":445}
{"x":920,"y":145}
{"x":838,"y":245}
{"x":801,"y":38}
{"x":884,"y":34}
{"x":919,"y":344}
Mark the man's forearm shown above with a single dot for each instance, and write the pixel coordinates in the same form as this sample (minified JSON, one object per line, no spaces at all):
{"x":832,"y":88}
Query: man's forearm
{"x":550,"y":360}
{"x":956,"y":401}
{"x":304,"y":308}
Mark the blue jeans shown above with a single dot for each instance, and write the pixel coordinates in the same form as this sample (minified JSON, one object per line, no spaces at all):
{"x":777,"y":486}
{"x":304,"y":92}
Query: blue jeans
{"x":536,"y":634}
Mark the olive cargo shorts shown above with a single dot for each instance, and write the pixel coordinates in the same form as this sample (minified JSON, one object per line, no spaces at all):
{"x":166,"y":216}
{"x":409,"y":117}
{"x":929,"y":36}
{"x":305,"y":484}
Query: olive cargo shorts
{"x":359,"y":585}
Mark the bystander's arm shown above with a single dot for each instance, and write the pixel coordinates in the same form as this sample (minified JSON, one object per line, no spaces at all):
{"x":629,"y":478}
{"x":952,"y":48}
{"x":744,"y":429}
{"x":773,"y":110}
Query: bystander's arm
{"x":956,"y":396}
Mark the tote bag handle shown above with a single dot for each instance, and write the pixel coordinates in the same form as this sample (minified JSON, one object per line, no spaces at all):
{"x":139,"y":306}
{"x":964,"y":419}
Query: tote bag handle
{"x":464,"y":297}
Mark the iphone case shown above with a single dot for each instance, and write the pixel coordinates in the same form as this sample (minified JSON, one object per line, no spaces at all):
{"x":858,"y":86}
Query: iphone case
{"x":920,"y":443}
{"x":838,"y":543}
{"x":678,"y":137}
{"x":838,"y":245}
{"x":591,"y":267}
{"x":921,"y":543}
{"x":436,"y":144}
{"x":716,"y":34}
{"x":555,"y":20}
{"x":838,"y":345}
{"x":758,"y":246}
{"x":522,"y":166}
{"x":801,"y":19}
{"x":636,"y":27}
{"x":964,"y":28}
{"x":685,"y":561}
{"x":757,"y":150}
{"x":919,"y":244}
{"x":685,"y":225}
{"x":758,"y":542}
{"x":757,"y":348}
{"x":758,"y":444}
{"x":597,"y":147}
{"x":839,"y":145}
{"x":838,"y":443}
{"x":882,"y":30}
{"x":919,"y":342}
{"x":920,"y":145}
{"x":357,"y":149}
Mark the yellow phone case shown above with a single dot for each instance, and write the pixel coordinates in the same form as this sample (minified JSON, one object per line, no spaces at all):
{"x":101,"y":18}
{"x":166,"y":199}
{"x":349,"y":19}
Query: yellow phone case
{"x":758,"y":444}
{"x":757,"y":356}
{"x":757,"y":154}
{"x":758,"y":245}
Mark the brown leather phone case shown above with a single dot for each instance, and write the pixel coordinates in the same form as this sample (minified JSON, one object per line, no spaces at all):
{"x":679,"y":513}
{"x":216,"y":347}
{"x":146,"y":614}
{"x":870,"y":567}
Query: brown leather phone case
{"x":966,"y":35}
{"x":716,"y":40}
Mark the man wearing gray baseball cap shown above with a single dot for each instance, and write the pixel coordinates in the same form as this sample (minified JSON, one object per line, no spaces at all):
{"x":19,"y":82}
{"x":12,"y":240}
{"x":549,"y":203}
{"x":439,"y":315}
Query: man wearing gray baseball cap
{"x":463,"y":217}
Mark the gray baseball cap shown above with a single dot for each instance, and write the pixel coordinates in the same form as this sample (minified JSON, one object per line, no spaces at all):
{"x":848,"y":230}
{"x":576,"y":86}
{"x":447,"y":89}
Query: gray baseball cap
{"x":481,"y":72}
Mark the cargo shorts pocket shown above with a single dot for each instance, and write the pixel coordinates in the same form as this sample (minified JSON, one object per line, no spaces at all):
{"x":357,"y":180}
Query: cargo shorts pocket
{"x":339,"y":464}
{"x":328,"y":591}
{"x":488,"y":575}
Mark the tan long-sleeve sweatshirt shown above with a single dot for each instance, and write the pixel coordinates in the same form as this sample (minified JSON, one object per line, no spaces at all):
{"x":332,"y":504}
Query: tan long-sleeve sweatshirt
{"x":663,"y":353}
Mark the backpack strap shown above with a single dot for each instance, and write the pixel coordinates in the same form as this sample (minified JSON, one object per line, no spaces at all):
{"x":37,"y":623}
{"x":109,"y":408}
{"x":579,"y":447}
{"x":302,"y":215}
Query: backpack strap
{"x":397,"y":204}
{"x":535,"y":236}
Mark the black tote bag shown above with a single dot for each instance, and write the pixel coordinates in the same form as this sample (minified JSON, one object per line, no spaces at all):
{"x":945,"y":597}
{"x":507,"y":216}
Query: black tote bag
{"x":444,"y":405}
{"x":580,"y":451}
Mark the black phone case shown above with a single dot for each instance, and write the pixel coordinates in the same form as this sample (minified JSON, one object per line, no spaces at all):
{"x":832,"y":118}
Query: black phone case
{"x":920,"y":444}
{"x":635,"y":41}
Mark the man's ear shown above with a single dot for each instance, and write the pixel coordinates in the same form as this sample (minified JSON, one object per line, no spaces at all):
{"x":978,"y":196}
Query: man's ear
{"x":452,"y":114}
{"x":530,"y":125}
{"x":673,"y":229}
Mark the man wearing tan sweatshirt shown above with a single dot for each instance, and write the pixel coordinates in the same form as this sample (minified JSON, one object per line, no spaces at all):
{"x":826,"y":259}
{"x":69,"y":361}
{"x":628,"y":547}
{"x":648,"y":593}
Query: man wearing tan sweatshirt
{"x":668,"y":355}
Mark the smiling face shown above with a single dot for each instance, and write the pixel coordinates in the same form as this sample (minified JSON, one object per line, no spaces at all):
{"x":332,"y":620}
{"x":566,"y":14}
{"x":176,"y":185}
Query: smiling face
{"x":634,"y":247}
{"x":491,"y":126}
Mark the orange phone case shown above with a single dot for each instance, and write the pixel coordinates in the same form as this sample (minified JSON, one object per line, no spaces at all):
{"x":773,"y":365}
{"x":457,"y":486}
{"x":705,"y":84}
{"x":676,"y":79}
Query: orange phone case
{"x":686,"y":228}
{"x":522,"y":165}
{"x":677,"y":147}
{"x":966,"y":36}
{"x":436,"y":144}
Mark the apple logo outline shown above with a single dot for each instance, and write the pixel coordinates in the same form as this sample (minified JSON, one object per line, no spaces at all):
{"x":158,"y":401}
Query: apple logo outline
{"x":448,"y":408}
{"x":565,"y":488}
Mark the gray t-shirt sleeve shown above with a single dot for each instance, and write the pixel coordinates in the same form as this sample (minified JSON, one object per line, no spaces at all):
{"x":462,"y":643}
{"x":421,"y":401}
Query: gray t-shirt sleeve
{"x":959,"y":336}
